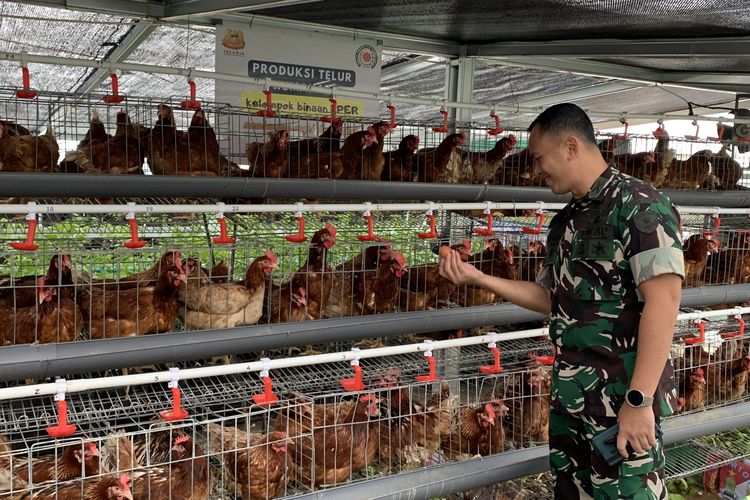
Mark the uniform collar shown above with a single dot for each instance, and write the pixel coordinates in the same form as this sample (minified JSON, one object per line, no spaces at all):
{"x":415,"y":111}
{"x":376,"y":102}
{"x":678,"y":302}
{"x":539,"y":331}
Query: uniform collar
{"x":598,"y":188}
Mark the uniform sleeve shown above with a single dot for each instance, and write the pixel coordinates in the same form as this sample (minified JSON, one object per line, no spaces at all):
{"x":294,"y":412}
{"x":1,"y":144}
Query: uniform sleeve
{"x":544,"y":277}
{"x":651,"y":238}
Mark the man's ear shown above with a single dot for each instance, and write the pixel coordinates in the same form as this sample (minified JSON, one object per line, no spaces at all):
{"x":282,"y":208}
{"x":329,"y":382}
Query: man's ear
{"x":572,"y":146}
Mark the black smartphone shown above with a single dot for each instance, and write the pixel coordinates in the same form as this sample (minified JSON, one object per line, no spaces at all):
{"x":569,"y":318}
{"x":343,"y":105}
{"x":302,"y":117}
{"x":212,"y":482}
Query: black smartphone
{"x":606,"y":444}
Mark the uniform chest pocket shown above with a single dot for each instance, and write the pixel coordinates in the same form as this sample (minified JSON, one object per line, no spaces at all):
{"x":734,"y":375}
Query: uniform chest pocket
{"x":594,"y":270}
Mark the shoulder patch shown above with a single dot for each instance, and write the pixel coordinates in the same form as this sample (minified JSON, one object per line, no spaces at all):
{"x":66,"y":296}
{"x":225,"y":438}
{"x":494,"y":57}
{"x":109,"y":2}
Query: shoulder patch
{"x":646,"y":222}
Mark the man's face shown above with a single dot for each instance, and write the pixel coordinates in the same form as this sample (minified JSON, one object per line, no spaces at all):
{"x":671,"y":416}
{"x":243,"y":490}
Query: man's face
{"x":549,"y":153}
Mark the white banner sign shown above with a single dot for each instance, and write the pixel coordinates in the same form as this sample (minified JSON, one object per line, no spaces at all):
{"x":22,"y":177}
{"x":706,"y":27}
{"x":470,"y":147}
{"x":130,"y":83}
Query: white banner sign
{"x":300,"y":57}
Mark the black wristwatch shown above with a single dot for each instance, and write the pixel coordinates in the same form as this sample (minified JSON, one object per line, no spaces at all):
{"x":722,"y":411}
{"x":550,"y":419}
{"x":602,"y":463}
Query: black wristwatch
{"x":637,"y":399}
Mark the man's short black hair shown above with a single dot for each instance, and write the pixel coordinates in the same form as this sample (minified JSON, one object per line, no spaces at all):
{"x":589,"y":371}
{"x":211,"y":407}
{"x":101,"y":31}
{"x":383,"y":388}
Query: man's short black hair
{"x":565,"y":117}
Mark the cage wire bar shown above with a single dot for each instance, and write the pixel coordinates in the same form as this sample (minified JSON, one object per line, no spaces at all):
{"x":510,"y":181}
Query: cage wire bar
{"x":230,"y":415}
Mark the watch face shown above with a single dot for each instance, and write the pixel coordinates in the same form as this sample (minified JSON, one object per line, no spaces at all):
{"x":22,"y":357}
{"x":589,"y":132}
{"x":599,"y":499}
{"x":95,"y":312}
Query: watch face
{"x":635,"y":398}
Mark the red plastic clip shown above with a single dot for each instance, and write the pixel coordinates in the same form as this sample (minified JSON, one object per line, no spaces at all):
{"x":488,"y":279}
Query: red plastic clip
{"x":720,"y":131}
{"x":392,"y":112}
{"x":355,"y":383}
{"x":488,"y":230}
{"x":701,"y":335}
{"x":714,"y":234}
{"x":134,"y":241}
{"x":539,"y":223}
{"x":545,"y":360}
{"x":432,"y":233}
{"x":432,"y":376}
{"x":177,"y":412}
{"x":300,"y":236}
{"x":624,"y":135}
{"x":443,"y":129}
{"x":114,"y":97}
{"x":26,"y":92}
{"x":334,"y":108}
{"x":268,"y":397}
{"x":63,"y":428}
{"x":223,"y":238}
{"x":498,"y":129}
{"x":266,"y":112}
{"x":370,"y":236}
{"x":697,"y":129}
{"x":495,"y":367}
{"x":191,"y":103}
{"x":741,"y":332}
{"x":29,"y":244}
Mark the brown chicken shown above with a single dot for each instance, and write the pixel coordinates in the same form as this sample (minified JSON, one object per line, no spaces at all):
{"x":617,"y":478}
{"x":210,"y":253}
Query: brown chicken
{"x":268,"y":159}
{"x":529,"y":410}
{"x":728,"y":381}
{"x":441,"y":164}
{"x":316,"y":274}
{"x":135,"y":311}
{"x":109,"y":487}
{"x":422,"y":287}
{"x":219,"y":273}
{"x":100,"y":153}
{"x":695,"y":254}
{"x":311,"y":158}
{"x":694,"y":395}
{"x":205,"y":155}
{"x":67,"y":464}
{"x":495,"y":260}
{"x":224,"y":305}
{"x":517,"y":170}
{"x":379,"y":292}
{"x":399,"y":164}
{"x":347,"y":277}
{"x":531,"y":261}
{"x":186,"y":477}
{"x":608,"y":147}
{"x":55,"y":318}
{"x":345,"y":440}
{"x":257,"y":464}
{"x":22,"y":291}
{"x":28,"y":153}
{"x":479,"y":431}
{"x":482,"y":166}
{"x":689,"y":174}
{"x":412,"y":433}
{"x":288,"y":302}
{"x":362,"y":153}
{"x":726,"y":171}
{"x":146,"y":278}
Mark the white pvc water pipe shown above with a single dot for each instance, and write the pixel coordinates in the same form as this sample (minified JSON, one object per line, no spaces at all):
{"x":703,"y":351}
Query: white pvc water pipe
{"x":80,"y":385}
{"x":312,"y":208}
{"x":327,"y":91}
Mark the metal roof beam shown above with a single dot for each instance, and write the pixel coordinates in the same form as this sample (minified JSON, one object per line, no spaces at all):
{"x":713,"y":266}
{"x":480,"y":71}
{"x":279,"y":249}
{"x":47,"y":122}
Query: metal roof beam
{"x":702,"y":47}
{"x":126,"y":8}
{"x":407,"y":67}
{"x":388,"y":41}
{"x":182,"y":9}
{"x":137,"y":35}
{"x":723,"y":82}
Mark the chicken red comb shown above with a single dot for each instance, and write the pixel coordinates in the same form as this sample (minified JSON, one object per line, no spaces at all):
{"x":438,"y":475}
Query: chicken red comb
{"x":93,"y":449}
{"x":399,"y":257}
{"x":512,"y":139}
{"x":489,"y":410}
{"x":699,"y":371}
{"x":302,"y":292}
{"x":125,"y":481}
{"x":271,"y":256}
{"x":331,"y":229}
{"x":371,"y":131}
{"x":278,"y":435}
{"x":181,"y":439}
{"x":467,"y":245}
{"x":369,"y":397}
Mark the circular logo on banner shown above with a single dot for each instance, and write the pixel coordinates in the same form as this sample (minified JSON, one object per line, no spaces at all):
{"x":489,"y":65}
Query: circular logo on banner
{"x":367,"y":57}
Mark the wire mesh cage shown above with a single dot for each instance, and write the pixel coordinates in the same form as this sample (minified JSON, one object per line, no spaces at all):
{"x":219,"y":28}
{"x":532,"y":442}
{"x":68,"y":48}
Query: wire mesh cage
{"x":66,"y":132}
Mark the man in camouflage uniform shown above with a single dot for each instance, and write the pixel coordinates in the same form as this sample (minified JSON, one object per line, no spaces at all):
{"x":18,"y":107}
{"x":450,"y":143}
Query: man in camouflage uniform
{"x":611,"y":285}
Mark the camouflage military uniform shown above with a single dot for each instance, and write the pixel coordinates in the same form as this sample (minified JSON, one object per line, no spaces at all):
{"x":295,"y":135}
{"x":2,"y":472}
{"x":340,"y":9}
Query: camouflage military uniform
{"x":599,"y":249}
